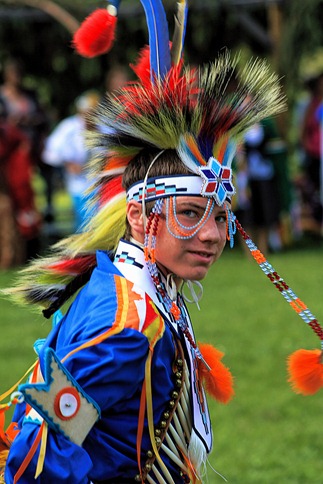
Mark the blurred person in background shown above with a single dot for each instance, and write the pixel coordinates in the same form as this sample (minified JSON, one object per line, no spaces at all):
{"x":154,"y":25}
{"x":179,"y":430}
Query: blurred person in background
{"x":65,"y":147}
{"x":116,"y":77}
{"x":25,"y":111}
{"x":311,"y":144}
{"x":9,"y":236}
{"x":263,"y":184}
{"x":19,"y":219}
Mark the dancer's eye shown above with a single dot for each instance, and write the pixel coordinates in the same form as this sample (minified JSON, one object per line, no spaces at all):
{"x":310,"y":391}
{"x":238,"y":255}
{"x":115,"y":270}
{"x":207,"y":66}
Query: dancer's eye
{"x":221,"y":218}
{"x":189,"y":213}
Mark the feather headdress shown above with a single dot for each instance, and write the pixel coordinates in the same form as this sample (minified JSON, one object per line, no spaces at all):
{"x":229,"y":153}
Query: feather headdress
{"x":192,"y":111}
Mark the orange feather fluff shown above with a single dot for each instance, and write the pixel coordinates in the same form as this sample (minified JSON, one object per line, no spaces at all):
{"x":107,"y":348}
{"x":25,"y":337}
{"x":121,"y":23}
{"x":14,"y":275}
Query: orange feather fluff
{"x":96,"y":34}
{"x":218,"y":381}
{"x":305,"y":370}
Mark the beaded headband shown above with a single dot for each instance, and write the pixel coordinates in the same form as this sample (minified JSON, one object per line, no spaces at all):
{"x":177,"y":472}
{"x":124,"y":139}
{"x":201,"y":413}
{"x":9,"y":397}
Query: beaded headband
{"x":188,"y":185}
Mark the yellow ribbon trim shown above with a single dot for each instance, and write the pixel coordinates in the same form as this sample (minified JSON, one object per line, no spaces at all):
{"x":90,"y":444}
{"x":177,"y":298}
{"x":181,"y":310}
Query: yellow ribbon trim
{"x":150,"y":417}
{"x":118,"y":325}
{"x":8,"y":392}
{"x":42,"y":452}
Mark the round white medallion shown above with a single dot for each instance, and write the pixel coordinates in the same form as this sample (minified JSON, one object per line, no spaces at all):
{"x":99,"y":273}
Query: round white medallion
{"x":68,"y":405}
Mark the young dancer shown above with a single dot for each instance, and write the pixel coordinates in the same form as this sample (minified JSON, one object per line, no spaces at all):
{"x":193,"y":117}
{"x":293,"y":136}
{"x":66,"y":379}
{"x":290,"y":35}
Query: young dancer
{"x":117,"y":393}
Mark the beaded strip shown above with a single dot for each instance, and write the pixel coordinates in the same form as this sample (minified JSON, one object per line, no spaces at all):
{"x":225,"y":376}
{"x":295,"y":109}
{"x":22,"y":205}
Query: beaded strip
{"x":296,"y":304}
{"x":150,"y":235}
{"x":230,"y":224}
{"x":173,"y":224}
{"x":149,"y":251}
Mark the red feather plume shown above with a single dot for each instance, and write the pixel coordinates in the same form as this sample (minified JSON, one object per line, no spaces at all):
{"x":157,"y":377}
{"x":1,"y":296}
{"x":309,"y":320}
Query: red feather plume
{"x":305,"y":370}
{"x":74,"y":267}
{"x":110,"y":189}
{"x":142,"y":66}
{"x":96,"y":34}
{"x":218,"y":381}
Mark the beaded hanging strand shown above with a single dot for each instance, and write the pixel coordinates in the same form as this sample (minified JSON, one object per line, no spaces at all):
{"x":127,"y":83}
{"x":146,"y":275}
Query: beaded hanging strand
{"x":299,"y":306}
{"x":230,"y":225}
{"x":150,"y":240}
{"x":149,"y":251}
{"x":174,"y":226}
{"x":199,"y":223}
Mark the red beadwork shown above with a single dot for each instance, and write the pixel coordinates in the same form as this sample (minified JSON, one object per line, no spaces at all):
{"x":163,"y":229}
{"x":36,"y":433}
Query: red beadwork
{"x":244,"y":234}
{"x":190,"y":338}
{"x":316,"y":328}
{"x":279,"y":286}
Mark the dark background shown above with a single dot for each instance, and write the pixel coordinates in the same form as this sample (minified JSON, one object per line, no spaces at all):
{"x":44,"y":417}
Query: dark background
{"x":282,"y":31}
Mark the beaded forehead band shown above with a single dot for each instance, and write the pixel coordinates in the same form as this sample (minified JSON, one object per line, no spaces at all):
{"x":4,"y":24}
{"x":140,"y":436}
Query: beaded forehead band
{"x":188,"y":185}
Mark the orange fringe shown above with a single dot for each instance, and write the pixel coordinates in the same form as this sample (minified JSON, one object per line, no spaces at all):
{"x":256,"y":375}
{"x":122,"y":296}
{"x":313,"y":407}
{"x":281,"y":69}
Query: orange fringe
{"x":30,"y":455}
{"x":218,"y":381}
{"x":305,"y":370}
{"x":192,"y":474}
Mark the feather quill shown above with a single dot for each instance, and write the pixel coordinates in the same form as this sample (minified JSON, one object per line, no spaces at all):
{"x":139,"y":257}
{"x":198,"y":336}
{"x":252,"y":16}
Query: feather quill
{"x":179,"y":32}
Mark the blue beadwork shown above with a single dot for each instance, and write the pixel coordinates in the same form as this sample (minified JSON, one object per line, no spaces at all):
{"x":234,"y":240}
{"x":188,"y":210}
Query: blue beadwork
{"x":232,"y":228}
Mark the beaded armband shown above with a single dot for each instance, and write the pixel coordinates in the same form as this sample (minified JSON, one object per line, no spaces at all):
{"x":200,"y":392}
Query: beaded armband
{"x":61,"y":401}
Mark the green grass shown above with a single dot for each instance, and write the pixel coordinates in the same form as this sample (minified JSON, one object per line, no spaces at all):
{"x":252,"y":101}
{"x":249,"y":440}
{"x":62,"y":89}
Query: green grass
{"x":267,"y":434}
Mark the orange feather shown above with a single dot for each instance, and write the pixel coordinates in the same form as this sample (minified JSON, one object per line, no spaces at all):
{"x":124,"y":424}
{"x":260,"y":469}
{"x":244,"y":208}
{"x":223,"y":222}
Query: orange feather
{"x":218,"y":381}
{"x":191,"y":143}
{"x":305,"y":370}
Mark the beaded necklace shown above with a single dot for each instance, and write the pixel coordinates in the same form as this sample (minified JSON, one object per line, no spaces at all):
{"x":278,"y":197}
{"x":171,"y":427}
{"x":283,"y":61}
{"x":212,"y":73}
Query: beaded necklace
{"x":172,"y":303}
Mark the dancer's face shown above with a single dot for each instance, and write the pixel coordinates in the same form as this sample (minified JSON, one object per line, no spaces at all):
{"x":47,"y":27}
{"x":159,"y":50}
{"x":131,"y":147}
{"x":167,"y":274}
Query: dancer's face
{"x":191,"y":258}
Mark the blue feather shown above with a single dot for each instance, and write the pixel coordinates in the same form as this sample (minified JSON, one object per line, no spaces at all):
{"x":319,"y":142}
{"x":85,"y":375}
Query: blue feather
{"x":229,"y":153}
{"x":160,"y":60}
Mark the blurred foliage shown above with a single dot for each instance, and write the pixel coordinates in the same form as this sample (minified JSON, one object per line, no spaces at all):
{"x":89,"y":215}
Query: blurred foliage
{"x":59,"y":75}
{"x":301,"y":36}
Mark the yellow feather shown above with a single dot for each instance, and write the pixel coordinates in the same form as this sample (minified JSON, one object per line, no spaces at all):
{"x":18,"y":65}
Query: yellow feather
{"x":104,"y":230}
{"x":3,"y":460}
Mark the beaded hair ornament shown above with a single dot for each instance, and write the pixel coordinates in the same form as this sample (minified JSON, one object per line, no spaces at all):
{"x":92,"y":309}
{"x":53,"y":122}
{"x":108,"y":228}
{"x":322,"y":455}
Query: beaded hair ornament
{"x":192,"y":112}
